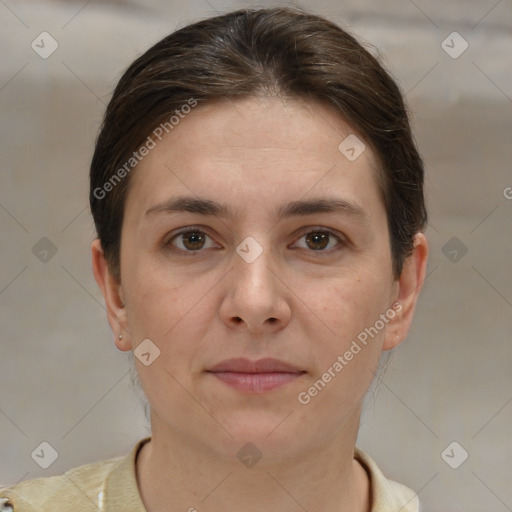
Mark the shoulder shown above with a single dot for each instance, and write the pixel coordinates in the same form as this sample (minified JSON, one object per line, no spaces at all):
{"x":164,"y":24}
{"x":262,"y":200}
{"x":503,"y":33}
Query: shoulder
{"x":387,"y":495}
{"x":79,"y":489}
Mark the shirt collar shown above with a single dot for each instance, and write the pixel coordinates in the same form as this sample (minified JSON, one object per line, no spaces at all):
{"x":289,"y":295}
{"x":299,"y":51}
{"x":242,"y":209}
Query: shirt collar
{"x":121,"y":491}
{"x":386,"y":495}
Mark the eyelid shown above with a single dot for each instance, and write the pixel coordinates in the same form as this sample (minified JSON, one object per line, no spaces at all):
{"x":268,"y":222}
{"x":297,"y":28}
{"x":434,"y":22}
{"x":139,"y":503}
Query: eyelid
{"x":189,"y":229}
{"x":342,"y":240}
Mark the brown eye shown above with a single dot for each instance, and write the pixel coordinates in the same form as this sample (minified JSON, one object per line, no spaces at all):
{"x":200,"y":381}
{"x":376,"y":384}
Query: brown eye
{"x":320,"y":241}
{"x":317,"y":240}
{"x":192,"y":240}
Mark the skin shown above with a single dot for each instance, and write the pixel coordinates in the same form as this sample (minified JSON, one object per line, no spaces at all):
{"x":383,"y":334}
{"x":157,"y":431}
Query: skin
{"x":292,"y":303}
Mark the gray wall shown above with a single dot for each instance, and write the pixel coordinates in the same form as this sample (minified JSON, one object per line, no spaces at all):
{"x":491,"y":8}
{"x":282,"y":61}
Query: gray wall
{"x":61,"y":378}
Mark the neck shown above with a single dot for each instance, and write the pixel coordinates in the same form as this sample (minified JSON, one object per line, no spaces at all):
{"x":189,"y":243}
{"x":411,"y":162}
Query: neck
{"x":174,"y":474}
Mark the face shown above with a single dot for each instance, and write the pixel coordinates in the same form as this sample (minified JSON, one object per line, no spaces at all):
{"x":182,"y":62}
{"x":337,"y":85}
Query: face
{"x":280,"y":250}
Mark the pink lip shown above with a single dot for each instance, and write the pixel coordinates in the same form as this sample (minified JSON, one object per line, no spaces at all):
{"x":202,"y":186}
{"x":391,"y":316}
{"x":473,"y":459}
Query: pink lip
{"x":255,"y":376}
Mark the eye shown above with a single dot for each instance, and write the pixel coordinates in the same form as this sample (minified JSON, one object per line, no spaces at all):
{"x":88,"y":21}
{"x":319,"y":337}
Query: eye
{"x":318,"y":240}
{"x":191,"y":240}
{"x":194,"y":240}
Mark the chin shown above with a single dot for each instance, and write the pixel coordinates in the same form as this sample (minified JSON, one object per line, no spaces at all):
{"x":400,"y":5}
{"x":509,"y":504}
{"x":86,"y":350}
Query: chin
{"x":264,"y":434}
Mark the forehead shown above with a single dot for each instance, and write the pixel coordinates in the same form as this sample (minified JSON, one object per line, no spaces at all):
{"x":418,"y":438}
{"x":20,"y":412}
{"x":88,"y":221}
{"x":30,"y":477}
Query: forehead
{"x":257,"y":149}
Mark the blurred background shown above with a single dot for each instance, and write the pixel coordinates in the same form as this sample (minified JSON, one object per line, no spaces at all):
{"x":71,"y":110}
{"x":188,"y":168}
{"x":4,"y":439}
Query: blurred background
{"x":439,"y":419}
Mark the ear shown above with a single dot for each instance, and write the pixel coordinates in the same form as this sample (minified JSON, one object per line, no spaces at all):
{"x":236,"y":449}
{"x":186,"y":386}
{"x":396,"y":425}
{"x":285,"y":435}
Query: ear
{"x":409,"y":287}
{"x":112,"y":293}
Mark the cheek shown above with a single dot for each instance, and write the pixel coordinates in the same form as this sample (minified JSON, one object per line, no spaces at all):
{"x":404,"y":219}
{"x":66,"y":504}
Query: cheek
{"x":155,"y":299}
{"x":348,"y":355}
{"x":351,"y":305}
{"x":169,"y":307}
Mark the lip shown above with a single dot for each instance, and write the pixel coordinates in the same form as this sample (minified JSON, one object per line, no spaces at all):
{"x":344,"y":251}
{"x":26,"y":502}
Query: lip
{"x":265,"y":365}
{"x":257,"y":376}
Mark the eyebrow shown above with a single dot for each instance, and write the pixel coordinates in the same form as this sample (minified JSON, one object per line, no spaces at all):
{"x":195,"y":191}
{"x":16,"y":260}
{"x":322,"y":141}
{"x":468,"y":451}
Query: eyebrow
{"x":294,"y":208}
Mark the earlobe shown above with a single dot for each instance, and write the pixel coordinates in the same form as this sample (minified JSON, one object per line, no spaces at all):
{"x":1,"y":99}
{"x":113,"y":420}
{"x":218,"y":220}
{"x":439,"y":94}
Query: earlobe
{"x":112,"y":294}
{"x":392,"y":335}
{"x":409,"y":287}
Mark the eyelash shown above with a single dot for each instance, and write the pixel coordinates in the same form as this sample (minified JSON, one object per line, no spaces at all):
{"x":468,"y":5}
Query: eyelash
{"x":321,"y":252}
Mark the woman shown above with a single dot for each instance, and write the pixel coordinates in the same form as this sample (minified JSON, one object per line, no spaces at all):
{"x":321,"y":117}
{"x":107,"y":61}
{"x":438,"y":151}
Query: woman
{"x":258,"y":199}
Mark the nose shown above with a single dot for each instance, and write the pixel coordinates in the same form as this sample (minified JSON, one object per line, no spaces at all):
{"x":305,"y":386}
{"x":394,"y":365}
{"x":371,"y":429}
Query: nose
{"x":256,"y":298}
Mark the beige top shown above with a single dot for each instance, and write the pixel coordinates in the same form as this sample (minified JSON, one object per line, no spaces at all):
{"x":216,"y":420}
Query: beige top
{"x":111,"y":486}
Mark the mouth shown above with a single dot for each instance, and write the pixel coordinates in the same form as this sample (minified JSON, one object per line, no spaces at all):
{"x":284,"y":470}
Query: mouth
{"x":255,"y":376}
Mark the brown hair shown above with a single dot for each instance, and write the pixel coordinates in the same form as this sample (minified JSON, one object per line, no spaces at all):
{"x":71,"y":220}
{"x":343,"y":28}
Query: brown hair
{"x":283,"y":51}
